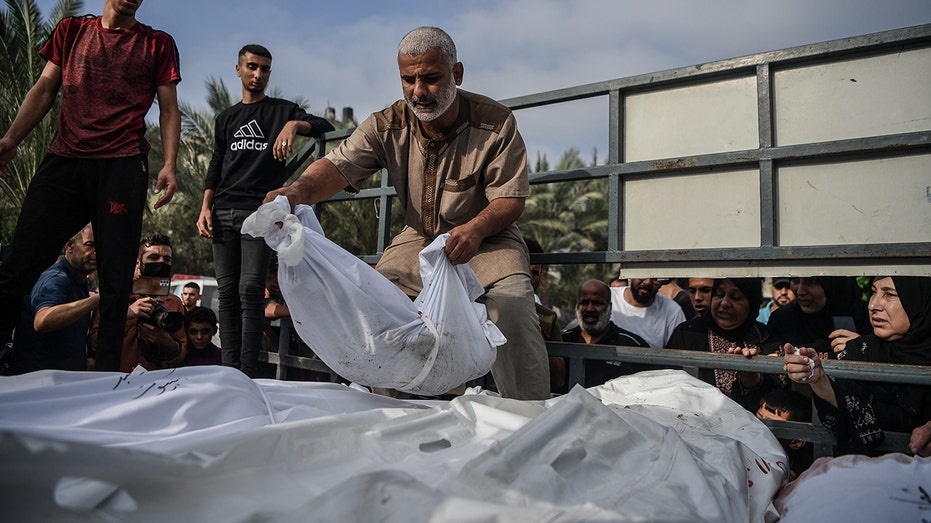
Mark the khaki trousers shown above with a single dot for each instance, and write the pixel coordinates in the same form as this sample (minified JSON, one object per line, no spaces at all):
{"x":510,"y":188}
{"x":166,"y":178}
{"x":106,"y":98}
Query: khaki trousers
{"x":521,"y":370}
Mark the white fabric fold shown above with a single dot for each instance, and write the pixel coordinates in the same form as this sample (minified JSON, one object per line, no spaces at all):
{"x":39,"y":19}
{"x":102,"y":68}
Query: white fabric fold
{"x":656,"y":446}
{"x":273,"y":220}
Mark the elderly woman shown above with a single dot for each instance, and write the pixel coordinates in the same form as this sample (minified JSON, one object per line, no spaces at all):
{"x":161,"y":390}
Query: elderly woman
{"x":828,"y":311}
{"x":730,"y":328}
{"x":859,"y":411}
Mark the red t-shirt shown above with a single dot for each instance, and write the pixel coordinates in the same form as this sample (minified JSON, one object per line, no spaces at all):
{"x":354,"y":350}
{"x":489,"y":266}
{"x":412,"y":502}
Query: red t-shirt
{"x":109,"y":78}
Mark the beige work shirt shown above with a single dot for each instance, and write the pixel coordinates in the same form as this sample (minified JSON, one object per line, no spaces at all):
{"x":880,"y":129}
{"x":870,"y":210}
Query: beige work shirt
{"x":443,"y":183}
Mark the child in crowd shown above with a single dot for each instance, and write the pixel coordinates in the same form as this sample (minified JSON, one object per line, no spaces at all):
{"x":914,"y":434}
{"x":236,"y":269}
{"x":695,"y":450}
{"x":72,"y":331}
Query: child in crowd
{"x":789,"y":405}
{"x":200,"y":323}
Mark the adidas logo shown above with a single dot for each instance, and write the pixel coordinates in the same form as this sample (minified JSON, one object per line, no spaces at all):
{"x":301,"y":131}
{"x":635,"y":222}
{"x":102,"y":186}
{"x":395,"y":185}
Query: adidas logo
{"x":248,"y":134}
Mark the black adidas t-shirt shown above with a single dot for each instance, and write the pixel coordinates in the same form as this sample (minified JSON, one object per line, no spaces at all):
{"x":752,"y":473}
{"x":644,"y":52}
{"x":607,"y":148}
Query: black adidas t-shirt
{"x":242,"y":170}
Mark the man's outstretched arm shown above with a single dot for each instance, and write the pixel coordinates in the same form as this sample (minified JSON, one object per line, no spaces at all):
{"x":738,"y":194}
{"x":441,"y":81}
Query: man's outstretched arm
{"x":57,"y":317}
{"x":320,"y":181}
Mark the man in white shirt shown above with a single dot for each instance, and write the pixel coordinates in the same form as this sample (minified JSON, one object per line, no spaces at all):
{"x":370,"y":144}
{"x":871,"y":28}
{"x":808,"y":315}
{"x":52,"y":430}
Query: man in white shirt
{"x":639,"y":309}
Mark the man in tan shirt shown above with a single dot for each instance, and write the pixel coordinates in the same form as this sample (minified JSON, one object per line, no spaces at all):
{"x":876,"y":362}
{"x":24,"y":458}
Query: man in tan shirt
{"x":459,"y":166}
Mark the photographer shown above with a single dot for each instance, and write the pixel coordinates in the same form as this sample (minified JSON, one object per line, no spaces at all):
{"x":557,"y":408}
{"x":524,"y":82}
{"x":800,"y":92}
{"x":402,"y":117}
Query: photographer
{"x":154,"y":337}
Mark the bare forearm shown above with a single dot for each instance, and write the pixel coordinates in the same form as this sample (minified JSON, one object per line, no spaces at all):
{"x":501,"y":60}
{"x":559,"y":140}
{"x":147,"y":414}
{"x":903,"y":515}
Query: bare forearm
{"x":498,"y":215}
{"x":207,"y":204}
{"x":169,"y":120}
{"x":320,"y":181}
{"x":35,"y":106}
{"x":276,"y":310}
{"x":170,"y":130}
{"x":465,"y":240}
{"x":316,"y":185}
{"x":57,"y":317}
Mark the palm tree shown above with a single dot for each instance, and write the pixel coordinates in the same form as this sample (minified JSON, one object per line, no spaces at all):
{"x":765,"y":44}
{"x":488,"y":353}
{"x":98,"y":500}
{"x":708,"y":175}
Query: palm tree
{"x":569,"y":217}
{"x":22,"y":34}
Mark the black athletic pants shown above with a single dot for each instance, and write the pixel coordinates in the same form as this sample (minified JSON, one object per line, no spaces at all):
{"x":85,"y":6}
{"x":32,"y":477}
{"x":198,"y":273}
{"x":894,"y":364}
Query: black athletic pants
{"x":64,"y":195}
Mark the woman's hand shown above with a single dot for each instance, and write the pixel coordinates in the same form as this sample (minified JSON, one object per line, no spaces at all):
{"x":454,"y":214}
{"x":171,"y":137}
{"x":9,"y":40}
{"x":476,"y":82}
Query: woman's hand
{"x":805,"y":367}
{"x":920,"y":442}
{"x":748,"y":380}
{"x":747,"y":352}
{"x":802,"y":365}
{"x":839,"y":339}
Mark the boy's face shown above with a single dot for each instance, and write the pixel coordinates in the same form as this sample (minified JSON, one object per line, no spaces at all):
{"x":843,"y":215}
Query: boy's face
{"x":199,"y":335}
{"x":766,"y":412}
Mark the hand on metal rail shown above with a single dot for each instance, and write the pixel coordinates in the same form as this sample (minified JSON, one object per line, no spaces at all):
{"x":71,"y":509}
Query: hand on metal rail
{"x":802,"y":364}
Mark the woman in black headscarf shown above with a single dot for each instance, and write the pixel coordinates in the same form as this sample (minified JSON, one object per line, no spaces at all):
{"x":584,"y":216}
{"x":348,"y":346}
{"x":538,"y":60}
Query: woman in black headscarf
{"x":827,"y":312}
{"x":731,"y":327}
{"x":859,"y":411}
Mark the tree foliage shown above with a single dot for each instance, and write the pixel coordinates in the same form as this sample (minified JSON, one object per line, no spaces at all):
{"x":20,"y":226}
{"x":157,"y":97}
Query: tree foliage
{"x":23,"y":31}
{"x":568,"y":217}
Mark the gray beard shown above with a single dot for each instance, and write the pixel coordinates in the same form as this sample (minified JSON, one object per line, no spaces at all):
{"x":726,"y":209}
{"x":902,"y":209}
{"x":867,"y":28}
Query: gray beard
{"x":443,"y":102}
{"x":599,"y":326}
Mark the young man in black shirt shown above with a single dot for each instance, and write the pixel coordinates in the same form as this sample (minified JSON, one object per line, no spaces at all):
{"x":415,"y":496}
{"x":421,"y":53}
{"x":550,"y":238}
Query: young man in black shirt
{"x":253,"y":140}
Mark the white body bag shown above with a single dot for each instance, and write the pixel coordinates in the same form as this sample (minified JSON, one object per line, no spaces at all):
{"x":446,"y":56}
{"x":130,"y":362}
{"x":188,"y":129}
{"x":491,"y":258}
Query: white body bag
{"x":361,"y":325}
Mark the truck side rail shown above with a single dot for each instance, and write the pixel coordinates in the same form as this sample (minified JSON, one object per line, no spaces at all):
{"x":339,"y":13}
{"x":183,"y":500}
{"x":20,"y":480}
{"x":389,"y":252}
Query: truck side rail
{"x":823,"y":151}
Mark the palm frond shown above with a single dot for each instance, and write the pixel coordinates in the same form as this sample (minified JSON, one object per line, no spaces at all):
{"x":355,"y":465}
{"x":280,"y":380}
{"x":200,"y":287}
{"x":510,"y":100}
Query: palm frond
{"x":23,"y":31}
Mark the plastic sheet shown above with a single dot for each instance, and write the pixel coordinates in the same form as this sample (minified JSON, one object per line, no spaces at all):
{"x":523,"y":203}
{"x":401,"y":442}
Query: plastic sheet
{"x":892,"y":487}
{"x":656,"y":446}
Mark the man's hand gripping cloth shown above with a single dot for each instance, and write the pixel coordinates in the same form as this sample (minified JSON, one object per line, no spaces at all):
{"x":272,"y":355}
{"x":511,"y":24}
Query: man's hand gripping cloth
{"x":362,"y":326}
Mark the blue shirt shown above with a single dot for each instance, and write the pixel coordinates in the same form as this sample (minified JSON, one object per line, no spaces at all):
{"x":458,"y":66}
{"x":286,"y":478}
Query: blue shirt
{"x":64,"y":349}
{"x":763,"y":316}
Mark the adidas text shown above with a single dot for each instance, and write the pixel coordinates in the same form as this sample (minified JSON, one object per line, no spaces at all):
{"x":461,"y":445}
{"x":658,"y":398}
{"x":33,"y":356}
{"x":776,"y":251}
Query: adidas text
{"x":248,"y":145}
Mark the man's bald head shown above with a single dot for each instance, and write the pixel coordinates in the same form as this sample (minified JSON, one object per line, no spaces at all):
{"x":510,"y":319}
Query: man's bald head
{"x":598,"y":287}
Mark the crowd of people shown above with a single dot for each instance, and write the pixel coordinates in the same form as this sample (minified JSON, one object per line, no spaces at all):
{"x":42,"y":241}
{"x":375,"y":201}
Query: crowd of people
{"x":59,"y":326}
{"x":458,"y":163}
{"x":824,"y":317}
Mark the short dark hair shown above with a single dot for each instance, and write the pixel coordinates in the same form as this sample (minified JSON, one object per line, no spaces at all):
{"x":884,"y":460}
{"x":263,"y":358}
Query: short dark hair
{"x":255,"y":49}
{"x":192,"y":285}
{"x":796,"y":404}
{"x":200,"y":315}
{"x":149,"y":240}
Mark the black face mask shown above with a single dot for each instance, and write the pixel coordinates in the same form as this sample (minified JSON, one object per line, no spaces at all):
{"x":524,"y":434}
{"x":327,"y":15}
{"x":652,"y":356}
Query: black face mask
{"x":156,"y":270}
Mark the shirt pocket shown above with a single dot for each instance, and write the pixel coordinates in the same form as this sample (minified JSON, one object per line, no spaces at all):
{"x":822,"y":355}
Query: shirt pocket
{"x":462,"y":184}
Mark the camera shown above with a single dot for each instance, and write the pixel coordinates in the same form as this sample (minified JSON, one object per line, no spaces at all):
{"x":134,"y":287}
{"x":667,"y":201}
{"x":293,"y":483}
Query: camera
{"x":155,"y":280}
{"x":165,"y":319}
